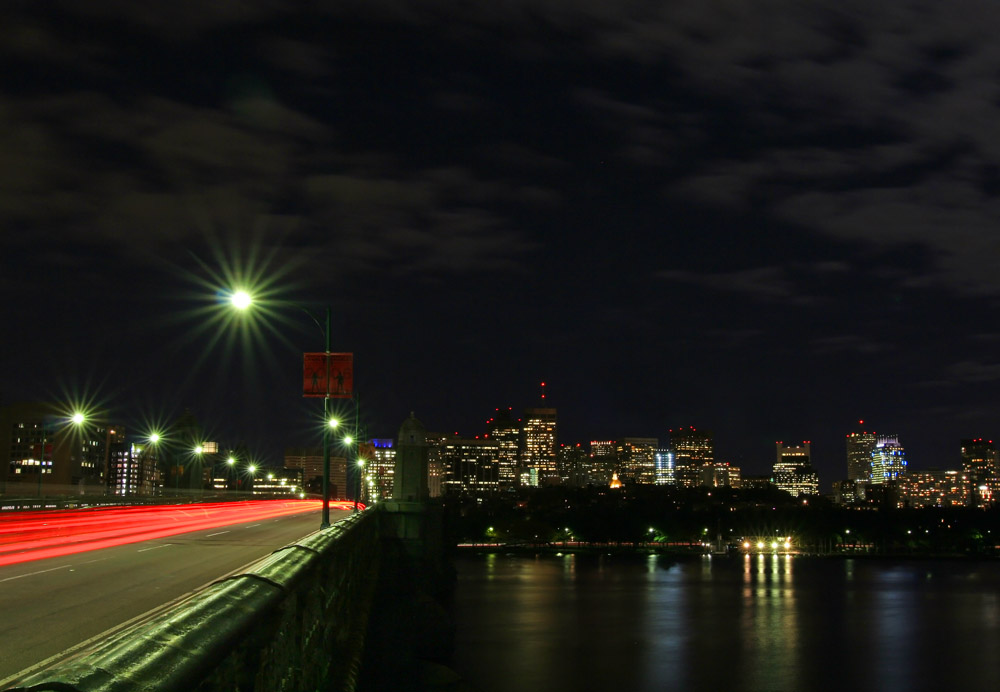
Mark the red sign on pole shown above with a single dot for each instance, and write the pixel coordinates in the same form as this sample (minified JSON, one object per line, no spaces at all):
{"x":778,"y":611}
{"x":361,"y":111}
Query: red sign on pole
{"x":328,"y":375}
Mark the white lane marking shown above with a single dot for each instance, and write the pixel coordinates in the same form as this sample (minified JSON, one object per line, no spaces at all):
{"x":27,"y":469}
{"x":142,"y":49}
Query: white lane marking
{"x":251,"y":526}
{"x":100,"y":559}
{"x":216,"y":534}
{"x":31,"y":574}
{"x":155,"y":547}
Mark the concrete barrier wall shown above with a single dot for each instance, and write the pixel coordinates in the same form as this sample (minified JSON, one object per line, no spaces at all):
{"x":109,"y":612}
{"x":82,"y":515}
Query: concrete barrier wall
{"x":296,"y":620}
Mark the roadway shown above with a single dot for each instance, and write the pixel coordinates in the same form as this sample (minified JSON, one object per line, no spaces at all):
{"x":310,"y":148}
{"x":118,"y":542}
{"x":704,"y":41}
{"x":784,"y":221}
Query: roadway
{"x":49,"y":606}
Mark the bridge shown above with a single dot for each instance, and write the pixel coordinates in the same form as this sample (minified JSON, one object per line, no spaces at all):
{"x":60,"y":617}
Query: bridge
{"x":350,"y":607}
{"x":323,"y":613}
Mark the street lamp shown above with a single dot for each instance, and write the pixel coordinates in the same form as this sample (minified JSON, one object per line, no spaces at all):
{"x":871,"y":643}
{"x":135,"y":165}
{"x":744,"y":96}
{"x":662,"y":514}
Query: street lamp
{"x":148,"y":471}
{"x":252,"y":472}
{"x":77,"y":419}
{"x":199,"y":451}
{"x":242,"y":300}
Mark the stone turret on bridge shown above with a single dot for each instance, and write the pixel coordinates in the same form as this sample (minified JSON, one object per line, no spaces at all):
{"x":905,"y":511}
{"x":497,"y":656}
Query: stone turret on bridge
{"x":409,"y":483}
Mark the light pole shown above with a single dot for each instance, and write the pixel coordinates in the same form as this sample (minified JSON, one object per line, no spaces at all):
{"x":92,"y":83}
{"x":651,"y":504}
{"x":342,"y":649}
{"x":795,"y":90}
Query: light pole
{"x":242,"y":300}
{"x":41,"y":456}
{"x":230,"y":462}
{"x":76,"y":419}
{"x":152,"y":441}
{"x":252,"y":472}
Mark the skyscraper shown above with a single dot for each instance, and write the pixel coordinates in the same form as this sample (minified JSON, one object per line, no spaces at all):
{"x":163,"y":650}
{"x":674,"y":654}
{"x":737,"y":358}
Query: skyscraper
{"x":574,"y":465}
{"x":636,"y":459}
{"x":604,"y":460}
{"x":979,"y":461}
{"x":471,"y":465}
{"x":860,"y":444}
{"x":506,"y":432}
{"x":665,"y":462}
{"x":793,"y":471}
{"x":538,"y":458}
{"x":888,"y":459}
{"x":693,"y":449}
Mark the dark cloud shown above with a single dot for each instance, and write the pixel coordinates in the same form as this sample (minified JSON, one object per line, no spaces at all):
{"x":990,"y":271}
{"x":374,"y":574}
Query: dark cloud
{"x":850,"y":343}
{"x":827,"y":165}
{"x":763,"y":283}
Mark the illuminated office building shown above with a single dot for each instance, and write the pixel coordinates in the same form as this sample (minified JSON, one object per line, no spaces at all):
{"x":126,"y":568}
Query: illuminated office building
{"x":308,"y":462}
{"x":603,"y":460}
{"x":979,"y":462}
{"x":471,"y":466}
{"x":636,"y":459}
{"x":278,"y":482}
{"x":934,"y":489}
{"x":574,"y":465}
{"x":37,"y":448}
{"x":382,"y":467}
{"x":720,"y":474}
{"x":436,"y":474}
{"x":793,"y":471}
{"x":538,"y":458}
{"x":664,"y":461}
{"x":506,"y":432}
{"x":888,"y":460}
{"x":859,"y":454}
{"x":693,"y":449}
{"x":846,"y":492}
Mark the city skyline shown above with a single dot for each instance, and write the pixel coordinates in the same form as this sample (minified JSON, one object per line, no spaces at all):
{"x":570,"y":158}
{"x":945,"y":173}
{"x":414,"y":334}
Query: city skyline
{"x":770,"y":224}
{"x":514,"y":433}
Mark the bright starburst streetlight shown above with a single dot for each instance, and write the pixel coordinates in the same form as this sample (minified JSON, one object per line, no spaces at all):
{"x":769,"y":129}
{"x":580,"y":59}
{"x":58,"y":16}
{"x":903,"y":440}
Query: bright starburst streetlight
{"x":78,"y":418}
{"x":241,"y":300}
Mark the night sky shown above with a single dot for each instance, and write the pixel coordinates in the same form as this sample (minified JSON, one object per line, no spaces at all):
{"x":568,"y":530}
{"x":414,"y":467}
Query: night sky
{"x":768,"y":219}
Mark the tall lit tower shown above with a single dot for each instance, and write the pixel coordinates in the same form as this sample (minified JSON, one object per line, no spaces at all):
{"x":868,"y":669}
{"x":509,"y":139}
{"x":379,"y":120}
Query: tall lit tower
{"x":888,"y":459}
{"x":604,"y":460}
{"x":979,"y":461}
{"x":860,"y":444}
{"x":793,"y":469}
{"x":506,"y":432}
{"x":538,"y":458}
{"x":693,"y":449}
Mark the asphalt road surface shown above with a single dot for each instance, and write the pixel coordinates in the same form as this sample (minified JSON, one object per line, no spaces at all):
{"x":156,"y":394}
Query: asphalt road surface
{"x":49,"y":606}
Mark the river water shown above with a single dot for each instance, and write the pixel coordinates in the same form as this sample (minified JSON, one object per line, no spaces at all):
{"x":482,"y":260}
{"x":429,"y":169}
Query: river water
{"x":631,"y":624}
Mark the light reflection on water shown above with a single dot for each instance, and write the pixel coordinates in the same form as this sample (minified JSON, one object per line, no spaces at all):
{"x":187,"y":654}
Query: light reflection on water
{"x":763,"y":622}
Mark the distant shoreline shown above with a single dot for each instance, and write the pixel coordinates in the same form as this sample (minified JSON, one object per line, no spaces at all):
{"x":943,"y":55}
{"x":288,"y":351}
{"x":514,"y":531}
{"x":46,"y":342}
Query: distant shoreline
{"x":675,"y":552}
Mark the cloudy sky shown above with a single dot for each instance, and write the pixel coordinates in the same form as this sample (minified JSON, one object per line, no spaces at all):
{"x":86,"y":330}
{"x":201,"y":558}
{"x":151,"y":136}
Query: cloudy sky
{"x":768,"y":219}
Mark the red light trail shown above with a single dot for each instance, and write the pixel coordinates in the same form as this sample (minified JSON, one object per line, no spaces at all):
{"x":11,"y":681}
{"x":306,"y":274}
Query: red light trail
{"x":27,"y":536}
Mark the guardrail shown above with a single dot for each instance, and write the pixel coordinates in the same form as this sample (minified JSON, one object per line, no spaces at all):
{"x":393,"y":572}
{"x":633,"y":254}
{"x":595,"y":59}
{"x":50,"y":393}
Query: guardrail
{"x":295,"y":620}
